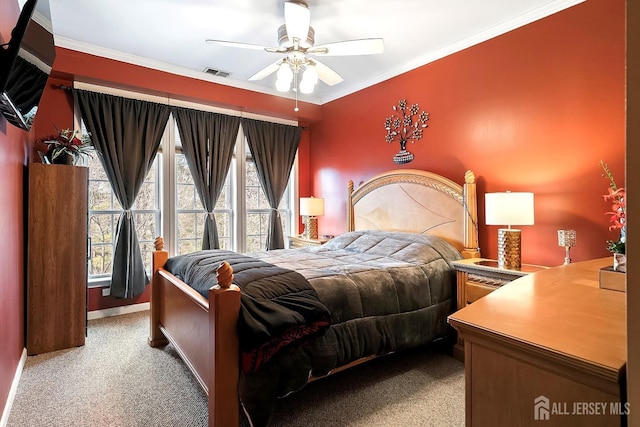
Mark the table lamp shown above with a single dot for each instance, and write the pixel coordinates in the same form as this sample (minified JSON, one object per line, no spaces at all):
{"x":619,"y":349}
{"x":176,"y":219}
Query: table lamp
{"x":567,"y":239}
{"x":509,"y":209}
{"x":310,"y":209}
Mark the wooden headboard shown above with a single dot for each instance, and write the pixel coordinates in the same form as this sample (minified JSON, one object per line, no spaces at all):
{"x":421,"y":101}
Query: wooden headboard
{"x":417,"y":201}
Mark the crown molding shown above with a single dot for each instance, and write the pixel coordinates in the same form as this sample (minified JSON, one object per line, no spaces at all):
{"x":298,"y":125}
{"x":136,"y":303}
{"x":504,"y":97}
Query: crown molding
{"x":170,"y":68}
{"x":43,"y":21}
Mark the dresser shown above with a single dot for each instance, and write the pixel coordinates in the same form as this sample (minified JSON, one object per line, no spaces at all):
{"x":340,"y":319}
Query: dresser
{"x":548,"y":348}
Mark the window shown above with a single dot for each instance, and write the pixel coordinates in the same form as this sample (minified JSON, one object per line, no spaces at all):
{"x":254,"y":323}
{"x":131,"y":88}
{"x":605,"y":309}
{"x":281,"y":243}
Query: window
{"x":190,"y":212}
{"x":169,"y":205}
{"x":251,"y":232}
{"x":104,"y":210}
{"x":257,"y":205}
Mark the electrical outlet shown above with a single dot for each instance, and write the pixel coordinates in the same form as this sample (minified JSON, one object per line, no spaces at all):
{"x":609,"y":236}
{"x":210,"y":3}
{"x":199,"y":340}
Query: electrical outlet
{"x":105,"y":292}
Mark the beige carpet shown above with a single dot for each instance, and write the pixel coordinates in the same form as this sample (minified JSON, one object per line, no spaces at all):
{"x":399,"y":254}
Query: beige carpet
{"x":116,"y":379}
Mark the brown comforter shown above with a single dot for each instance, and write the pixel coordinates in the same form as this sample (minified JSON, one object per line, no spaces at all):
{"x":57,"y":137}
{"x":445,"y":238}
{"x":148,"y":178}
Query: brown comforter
{"x":385,"y":291}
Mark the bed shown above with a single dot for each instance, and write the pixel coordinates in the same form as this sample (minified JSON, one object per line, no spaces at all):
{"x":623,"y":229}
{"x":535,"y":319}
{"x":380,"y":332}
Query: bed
{"x":400,"y":211}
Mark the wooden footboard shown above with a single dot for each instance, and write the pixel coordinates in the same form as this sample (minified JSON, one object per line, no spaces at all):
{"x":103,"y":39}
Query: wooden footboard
{"x":204,"y":333}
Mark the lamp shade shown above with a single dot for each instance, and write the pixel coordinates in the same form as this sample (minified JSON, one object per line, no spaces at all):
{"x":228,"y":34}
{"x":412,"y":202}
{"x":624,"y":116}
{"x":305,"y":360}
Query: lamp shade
{"x":509,"y":208}
{"x":311,"y":206}
{"x":567,"y":238}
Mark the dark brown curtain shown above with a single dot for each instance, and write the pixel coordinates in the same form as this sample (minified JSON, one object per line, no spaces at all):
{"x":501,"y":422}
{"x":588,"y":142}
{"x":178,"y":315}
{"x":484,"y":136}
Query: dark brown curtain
{"x":273,"y":147}
{"x":208,"y":140}
{"x":126,"y":134}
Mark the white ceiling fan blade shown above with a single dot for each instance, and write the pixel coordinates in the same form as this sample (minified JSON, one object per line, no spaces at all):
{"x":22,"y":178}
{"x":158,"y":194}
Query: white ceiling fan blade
{"x":326,"y":74}
{"x":237,"y":44}
{"x":297,"y":18}
{"x":269,"y":69}
{"x":350,"y":47}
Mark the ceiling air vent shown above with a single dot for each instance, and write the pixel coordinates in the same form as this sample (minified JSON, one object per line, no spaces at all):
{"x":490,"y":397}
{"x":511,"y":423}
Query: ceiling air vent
{"x":215,"y":72}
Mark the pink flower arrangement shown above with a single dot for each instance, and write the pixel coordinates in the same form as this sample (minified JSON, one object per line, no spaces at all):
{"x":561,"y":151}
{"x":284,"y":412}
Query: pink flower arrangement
{"x":618,"y":212}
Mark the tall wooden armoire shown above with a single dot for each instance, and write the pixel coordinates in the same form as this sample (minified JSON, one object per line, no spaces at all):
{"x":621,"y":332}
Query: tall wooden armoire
{"x":56,"y":291}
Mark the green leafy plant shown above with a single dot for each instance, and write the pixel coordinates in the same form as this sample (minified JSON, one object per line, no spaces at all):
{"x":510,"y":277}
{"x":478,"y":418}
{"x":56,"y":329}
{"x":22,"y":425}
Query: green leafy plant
{"x":66,"y":142}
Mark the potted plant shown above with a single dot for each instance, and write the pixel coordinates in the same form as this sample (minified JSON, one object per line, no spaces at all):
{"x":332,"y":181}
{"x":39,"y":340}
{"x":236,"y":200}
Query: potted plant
{"x":67,"y":147}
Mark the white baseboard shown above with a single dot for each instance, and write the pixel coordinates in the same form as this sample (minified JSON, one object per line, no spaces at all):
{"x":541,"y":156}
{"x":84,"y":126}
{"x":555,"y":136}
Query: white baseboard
{"x":14,"y":389}
{"x":116,"y":311}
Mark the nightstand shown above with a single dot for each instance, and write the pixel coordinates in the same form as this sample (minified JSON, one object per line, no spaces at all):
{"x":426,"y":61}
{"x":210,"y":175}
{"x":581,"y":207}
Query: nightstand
{"x":477,"y":277}
{"x":301,"y":242}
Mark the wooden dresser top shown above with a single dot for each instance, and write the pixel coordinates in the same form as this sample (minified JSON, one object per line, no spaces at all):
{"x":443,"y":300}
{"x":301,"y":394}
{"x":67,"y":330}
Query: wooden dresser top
{"x":560,"y":310}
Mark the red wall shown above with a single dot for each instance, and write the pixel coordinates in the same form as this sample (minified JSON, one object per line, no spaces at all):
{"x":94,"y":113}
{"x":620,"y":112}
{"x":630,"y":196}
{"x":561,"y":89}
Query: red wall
{"x":532,"y":110}
{"x":12,"y":171}
{"x":10,"y":12}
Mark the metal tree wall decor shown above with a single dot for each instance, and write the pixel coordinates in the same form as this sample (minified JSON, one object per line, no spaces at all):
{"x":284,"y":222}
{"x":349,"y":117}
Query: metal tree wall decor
{"x":405,"y":125}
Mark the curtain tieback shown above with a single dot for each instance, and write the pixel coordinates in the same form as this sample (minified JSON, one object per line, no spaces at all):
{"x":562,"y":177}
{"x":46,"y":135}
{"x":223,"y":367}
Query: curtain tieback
{"x":127,"y":212}
{"x":210,"y":215}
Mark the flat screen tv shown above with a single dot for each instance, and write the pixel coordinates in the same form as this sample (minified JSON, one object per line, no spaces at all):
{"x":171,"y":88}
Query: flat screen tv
{"x":25,"y":65}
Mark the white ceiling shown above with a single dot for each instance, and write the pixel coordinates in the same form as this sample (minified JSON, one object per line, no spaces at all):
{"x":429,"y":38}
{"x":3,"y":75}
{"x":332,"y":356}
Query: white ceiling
{"x":170,"y":34}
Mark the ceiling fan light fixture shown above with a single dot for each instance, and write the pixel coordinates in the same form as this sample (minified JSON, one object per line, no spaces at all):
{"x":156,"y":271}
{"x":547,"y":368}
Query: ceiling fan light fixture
{"x":285,"y":73}
{"x":306,"y":87}
{"x":284,"y":77}
{"x":283,"y":85}
{"x":309,"y":78}
{"x":310,"y":75}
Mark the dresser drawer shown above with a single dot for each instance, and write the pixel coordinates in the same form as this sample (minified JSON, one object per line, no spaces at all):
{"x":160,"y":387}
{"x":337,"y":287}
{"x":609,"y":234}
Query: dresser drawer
{"x":476,"y":291}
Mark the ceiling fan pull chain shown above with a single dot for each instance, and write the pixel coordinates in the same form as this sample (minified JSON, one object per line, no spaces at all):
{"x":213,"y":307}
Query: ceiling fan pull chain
{"x":295,"y":88}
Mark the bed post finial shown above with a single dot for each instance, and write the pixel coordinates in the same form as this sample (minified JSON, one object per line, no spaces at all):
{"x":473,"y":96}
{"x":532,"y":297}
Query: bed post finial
{"x":224,"y":274}
{"x":350,"y":220}
{"x":158,"y":243}
{"x":469,"y":177}
{"x":470,"y":221}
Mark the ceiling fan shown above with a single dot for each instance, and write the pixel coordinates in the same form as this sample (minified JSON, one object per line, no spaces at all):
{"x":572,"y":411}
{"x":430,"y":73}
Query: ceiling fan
{"x":296,"y":42}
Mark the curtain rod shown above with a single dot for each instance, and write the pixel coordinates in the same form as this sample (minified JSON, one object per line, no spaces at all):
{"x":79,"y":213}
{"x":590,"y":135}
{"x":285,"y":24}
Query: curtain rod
{"x":69,"y":89}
